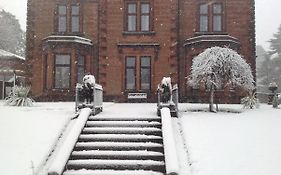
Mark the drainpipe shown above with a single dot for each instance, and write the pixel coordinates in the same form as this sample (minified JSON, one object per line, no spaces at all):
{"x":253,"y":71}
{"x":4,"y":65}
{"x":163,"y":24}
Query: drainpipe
{"x":178,"y":46}
{"x":3,"y":87}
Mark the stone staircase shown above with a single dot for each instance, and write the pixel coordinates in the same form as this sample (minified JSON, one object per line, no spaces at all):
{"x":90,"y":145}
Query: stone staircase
{"x":113,"y":146}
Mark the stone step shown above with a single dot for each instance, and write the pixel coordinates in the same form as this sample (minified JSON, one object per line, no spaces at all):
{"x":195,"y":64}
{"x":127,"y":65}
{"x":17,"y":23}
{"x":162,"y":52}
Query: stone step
{"x":108,"y":154}
{"x":119,"y":123}
{"x":122,"y":130}
{"x":119,"y":138}
{"x":97,"y":118}
{"x":111,"y":172}
{"x":95,"y":164}
{"x":115,"y":146}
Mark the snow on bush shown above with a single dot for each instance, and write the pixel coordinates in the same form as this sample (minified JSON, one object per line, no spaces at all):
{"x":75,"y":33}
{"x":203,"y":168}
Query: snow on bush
{"x":219,"y":67}
{"x":19,"y":97}
{"x":250,"y":101}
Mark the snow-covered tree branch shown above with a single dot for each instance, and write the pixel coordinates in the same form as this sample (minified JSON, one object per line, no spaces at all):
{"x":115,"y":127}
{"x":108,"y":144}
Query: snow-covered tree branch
{"x":218,"y":68}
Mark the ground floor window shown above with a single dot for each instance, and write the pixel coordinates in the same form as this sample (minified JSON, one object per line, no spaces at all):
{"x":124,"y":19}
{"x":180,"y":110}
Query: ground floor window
{"x":80,"y":68}
{"x":138,"y":73}
{"x":62,"y":71}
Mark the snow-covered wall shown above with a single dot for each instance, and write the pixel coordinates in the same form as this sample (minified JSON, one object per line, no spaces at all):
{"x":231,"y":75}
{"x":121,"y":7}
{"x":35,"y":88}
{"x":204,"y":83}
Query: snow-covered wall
{"x":67,"y":146}
{"x":171,"y":160}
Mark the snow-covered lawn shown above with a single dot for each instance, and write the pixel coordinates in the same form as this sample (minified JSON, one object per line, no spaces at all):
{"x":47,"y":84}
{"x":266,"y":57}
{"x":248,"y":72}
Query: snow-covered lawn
{"x":231,"y":143}
{"x":223,"y":143}
{"x":27,"y":134}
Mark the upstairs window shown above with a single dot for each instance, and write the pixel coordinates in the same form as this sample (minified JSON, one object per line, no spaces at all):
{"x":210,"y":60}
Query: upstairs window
{"x":204,"y":23}
{"x":217,"y":17}
{"x":138,"y":16}
{"x":145,"y":16}
{"x":62,"y":18}
{"x":68,"y":18}
{"x":211,"y":17}
{"x":132,"y":17}
{"x":75,"y":18}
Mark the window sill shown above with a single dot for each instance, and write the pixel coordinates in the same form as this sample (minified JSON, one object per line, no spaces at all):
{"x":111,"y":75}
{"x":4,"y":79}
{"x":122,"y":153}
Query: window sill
{"x":81,"y":34}
{"x":210,"y":33}
{"x":139,"y":33}
{"x":60,"y":90}
{"x":137,"y":91}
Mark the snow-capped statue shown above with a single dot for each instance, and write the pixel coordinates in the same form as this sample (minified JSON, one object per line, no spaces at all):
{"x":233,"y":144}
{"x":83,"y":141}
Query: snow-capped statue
{"x":88,"y":86}
{"x":166,"y":89}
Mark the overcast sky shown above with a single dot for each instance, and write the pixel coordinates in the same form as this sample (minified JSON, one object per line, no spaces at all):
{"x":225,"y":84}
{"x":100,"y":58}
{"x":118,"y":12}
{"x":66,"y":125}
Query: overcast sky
{"x":268,"y":17}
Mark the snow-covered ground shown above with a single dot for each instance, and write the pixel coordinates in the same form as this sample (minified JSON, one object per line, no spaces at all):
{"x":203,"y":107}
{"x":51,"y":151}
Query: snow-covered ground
{"x":231,"y":143}
{"x":27,"y":135}
{"x":223,"y":143}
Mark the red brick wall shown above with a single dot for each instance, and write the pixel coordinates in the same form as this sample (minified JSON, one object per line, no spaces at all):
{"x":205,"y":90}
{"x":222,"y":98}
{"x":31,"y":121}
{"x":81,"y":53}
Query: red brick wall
{"x":238,"y":23}
{"x":41,"y":24}
{"x":103,"y":23}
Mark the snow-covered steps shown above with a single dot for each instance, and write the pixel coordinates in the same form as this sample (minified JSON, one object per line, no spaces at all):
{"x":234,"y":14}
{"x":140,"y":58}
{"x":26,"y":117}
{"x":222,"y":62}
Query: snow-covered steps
{"x":122,"y":130}
{"x":98,"y":118}
{"x":116,"y":123}
{"x":118,"y":146}
{"x":123,"y":145}
{"x":116,"y":164}
{"x":108,"y":154}
{"x":120,"y":138}
{"x":111,"y":172}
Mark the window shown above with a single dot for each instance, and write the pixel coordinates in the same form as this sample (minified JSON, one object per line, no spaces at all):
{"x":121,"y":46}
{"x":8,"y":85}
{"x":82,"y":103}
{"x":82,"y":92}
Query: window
{"x":80,"y":68}
{"x":138,"y":73}
{"x":68,"y":18}
{"x":75,"y":18}
{"x":211,"y":17}
{"x":145,"y":73}
{"x":203,"y":17}
{"x":62,"y":71}
{"x":132,"y":17}
{"x":145,"y":15}
{"x":45,"y":71}
{"x":131,"y":73}
{"x":62,"y":18}
{"x":217,"y":17}
{"x":138,"y":17}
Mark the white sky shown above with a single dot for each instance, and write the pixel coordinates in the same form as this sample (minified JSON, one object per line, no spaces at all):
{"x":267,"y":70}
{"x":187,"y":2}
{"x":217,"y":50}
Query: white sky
{"x":268,"y":17}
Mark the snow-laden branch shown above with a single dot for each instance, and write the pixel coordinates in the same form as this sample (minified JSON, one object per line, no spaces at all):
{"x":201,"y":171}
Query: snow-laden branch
{"x":220,"y":67}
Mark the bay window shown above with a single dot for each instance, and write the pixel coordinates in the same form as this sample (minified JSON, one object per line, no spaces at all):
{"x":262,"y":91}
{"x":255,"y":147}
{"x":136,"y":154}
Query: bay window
{"x":62,"y":71}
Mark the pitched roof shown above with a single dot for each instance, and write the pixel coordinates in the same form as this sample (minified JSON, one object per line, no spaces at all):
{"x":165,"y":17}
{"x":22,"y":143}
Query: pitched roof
{"x":8,"y":55}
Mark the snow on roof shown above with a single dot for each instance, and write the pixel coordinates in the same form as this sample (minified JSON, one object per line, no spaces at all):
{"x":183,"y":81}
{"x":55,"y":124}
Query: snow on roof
{"x":75,"y":39}
{"x":211,"y":38}
{"x":8,"y":55}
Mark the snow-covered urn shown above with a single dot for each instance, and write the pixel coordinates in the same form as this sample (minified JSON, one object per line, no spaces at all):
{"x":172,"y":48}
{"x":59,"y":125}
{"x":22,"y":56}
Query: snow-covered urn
{"x":89,"y":81}
{"x":219,"y":67}
{"x":166,"y":89}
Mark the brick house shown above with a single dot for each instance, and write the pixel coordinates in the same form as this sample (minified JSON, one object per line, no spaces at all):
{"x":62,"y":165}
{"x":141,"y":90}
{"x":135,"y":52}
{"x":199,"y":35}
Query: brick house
{"x":129,"y":45}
